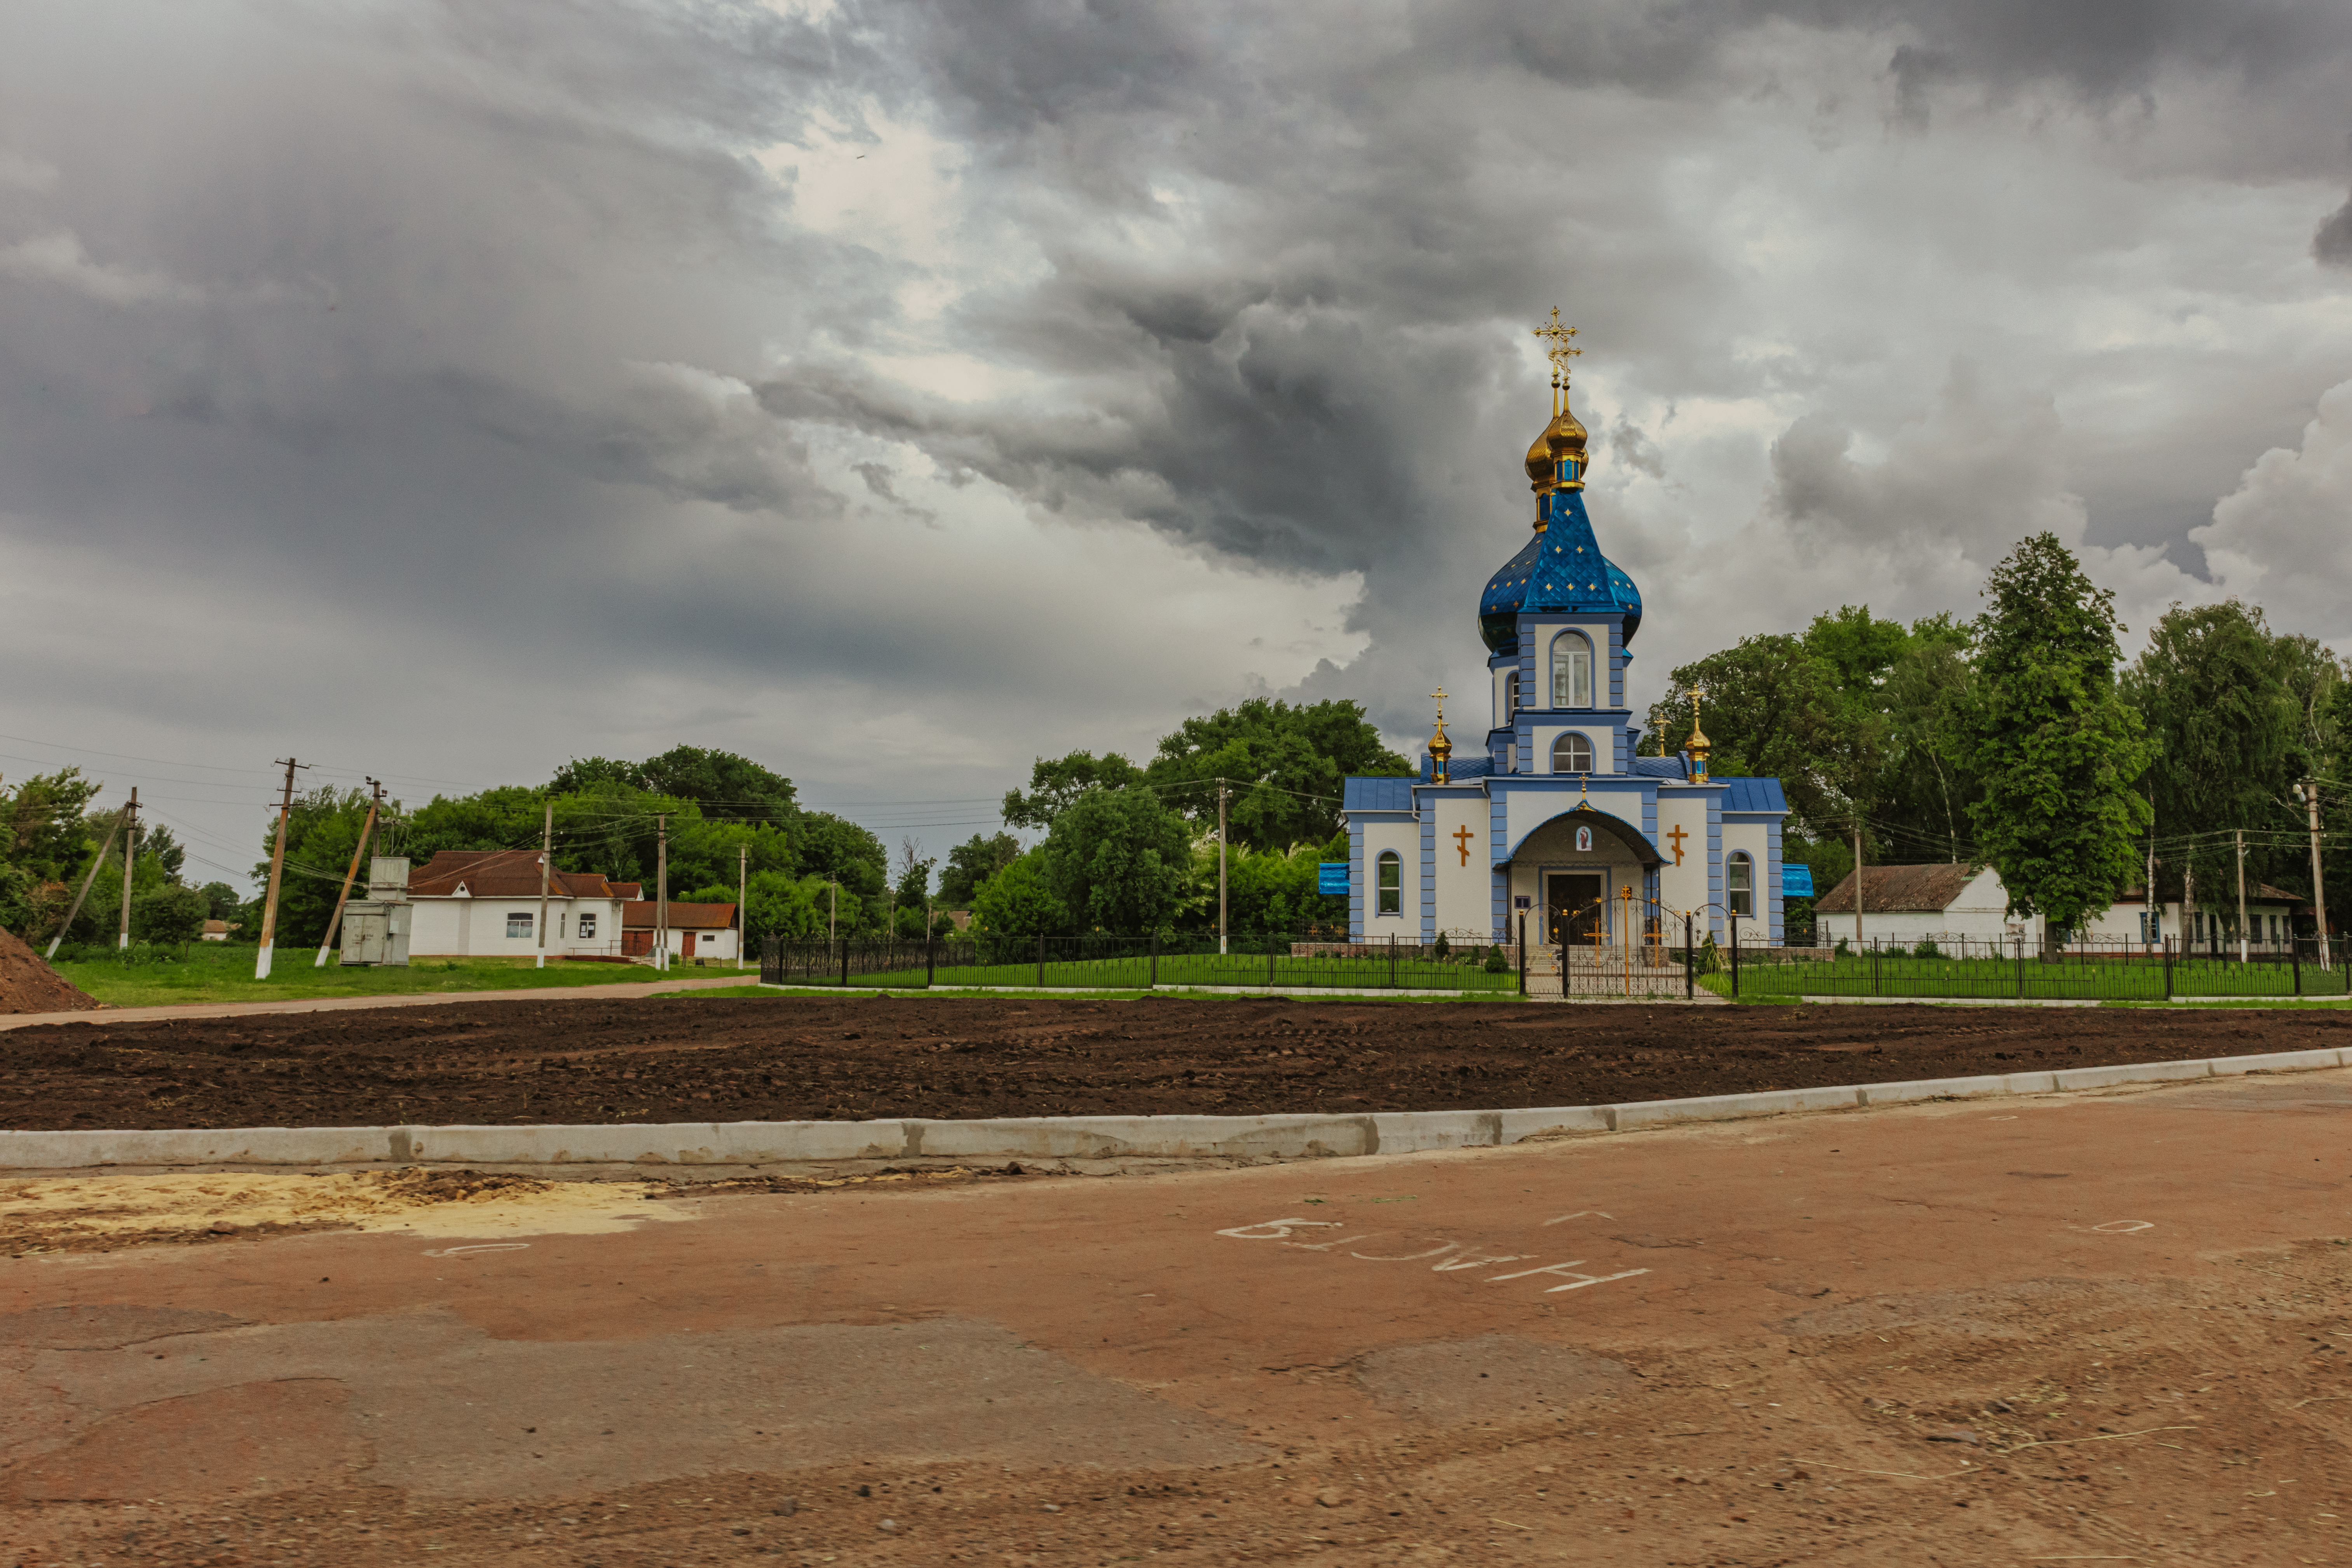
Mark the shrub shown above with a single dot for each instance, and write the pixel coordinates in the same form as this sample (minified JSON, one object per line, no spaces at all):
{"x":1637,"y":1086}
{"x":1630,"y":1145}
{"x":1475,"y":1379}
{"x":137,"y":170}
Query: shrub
{"x":1928,"y":949}
{"x":1445,"y":948}
{"x":1496,"y":962}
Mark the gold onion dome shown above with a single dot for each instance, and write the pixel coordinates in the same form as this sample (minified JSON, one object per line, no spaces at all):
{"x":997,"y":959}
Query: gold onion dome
{"x":1561,"y":440}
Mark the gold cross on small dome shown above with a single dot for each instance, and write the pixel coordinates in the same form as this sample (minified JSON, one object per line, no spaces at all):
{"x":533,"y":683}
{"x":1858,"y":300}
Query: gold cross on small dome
{"x":1555,"y":338}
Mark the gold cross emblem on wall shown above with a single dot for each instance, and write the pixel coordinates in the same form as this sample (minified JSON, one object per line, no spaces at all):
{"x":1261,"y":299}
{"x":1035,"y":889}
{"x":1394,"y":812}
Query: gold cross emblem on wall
{"x":1462,"y":836}
{"x":1677,"y":838}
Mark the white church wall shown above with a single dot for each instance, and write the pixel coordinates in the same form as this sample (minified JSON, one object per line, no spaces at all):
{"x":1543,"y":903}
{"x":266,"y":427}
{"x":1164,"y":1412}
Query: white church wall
{"x":1755,"y":840}
{"x":1682,"y":886}
{"x":1401,"y":835}
{"x":1464,"y":875}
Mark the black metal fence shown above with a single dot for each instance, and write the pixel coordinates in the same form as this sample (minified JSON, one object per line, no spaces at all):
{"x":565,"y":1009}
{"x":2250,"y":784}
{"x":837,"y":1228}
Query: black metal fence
{"x":1101,"y":962}
{"x":2017,"y":968}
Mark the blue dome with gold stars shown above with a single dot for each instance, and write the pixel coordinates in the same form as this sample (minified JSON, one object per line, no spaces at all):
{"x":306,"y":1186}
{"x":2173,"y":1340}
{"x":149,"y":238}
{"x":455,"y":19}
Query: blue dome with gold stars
{"x":1561,"y":569}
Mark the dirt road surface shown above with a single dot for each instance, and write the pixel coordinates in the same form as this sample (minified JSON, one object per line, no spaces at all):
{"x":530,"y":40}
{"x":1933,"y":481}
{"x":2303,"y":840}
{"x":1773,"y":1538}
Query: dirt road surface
{"x":615,"y":1060}
{"x":2080,"y":1328}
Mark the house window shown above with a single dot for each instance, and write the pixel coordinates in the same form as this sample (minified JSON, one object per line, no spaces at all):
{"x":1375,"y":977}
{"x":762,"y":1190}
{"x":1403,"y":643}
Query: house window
{"x":1571,"y":753}
{"x":1739,"y":877}
{"x":1390,"y":883}
{"x":1571,"y":669}
{"x":518,"y":927}
{"x":587,"y":927}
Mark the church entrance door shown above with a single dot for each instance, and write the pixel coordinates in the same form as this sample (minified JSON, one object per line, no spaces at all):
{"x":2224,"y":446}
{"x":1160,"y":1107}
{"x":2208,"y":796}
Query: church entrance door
{"x":1574,"y":903}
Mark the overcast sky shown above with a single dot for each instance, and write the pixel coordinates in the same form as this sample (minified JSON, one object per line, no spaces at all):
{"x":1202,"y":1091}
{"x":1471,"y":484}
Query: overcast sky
{"x":897,"y":393}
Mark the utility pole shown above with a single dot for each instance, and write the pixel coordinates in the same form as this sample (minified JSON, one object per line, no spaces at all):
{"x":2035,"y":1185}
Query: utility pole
{"x":2309,"y":790}
{"x":1221,"y":865}
{"x":120,"y":817}
{"x":546,"y":870}
{"x":335,"y":923}
{"x":1857,"y":884}
{"x":2242,"y":895}
{"x":277,"y":871}
{"x":742,"y":900}
{"x":661,"y":894}
{"x":130,"y":859}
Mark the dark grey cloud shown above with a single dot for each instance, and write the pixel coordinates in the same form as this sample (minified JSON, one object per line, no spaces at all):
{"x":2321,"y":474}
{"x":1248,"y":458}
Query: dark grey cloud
{"x":896,"y":391}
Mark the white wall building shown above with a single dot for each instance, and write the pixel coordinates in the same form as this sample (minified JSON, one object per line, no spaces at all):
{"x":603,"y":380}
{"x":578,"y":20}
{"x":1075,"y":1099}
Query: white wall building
{"x":1945,"y":904}
{"x":696,"y":930}
{"x":478,"y":903}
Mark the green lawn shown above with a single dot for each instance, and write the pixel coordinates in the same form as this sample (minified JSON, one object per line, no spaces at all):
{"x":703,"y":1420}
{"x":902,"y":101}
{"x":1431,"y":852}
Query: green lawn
{"x":223,"y":972}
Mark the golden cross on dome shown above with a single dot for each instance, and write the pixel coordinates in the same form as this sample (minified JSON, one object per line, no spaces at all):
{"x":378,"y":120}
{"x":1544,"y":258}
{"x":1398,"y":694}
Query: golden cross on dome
{"x":1555,"y":338}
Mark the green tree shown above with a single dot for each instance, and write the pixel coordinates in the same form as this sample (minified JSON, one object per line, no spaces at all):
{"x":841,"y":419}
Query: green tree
{"x":221,"y":901}
{"x":1119,"y":861}
{"x":1770,"y":708}
{"x":1016,"y":907}
{"x":168,"y":915}
{"x":2057,"y":750}
{"x":1272,"y":892}
{"x":973,"y":862}
{"x":1285,"y":765}
{"x":1926,"y":789}
{"x":321,"y":832}
{"x":2211,"y":688}
{"x":1053,"y":784}
{"x":727,"y":787}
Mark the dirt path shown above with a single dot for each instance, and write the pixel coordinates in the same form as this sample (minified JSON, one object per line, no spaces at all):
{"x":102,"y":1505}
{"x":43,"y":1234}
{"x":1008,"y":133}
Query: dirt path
{"x":2080,"y":1327}
{"x":597,"y":1058}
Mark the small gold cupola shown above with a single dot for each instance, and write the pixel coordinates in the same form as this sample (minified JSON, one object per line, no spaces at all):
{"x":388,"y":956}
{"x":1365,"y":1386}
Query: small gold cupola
{"x":1440,"y":748}
{"x":1699,"y":746}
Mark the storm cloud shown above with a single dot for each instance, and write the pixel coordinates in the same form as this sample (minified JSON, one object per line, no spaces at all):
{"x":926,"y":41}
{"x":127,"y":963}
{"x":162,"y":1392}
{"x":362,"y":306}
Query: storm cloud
{"x":894,"y":393}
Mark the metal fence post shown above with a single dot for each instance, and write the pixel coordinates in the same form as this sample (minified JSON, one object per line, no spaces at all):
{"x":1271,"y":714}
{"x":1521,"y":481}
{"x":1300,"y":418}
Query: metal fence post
{"x":1392,"y":960}
{"x":931,"y":959}
{"x":1735,"y":957}
{"x":2020,"y":968}
{"x":844,"y":963}
{"x":1523,"y":952}
{"x":1041,"y":960}
{"x":2167,"y":968}
{"x":1273,"y":945}
{"x":1690,"y":958}
{"x":1154,"y":980}
{"x":2294,"y":958}
{"x":1873,"y":969}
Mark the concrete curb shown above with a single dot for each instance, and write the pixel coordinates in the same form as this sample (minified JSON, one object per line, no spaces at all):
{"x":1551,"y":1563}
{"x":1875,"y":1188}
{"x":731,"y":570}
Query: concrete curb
{"x":1046,"y":1137}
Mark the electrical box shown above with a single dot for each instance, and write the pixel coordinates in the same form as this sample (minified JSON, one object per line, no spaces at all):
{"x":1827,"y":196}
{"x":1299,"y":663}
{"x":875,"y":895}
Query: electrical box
{"x":375,"y":929}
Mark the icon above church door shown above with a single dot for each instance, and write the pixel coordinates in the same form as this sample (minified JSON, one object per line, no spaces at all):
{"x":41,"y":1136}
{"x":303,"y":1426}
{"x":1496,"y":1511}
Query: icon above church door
{"x":1572,"y":908}
{"x":1584,"y":840}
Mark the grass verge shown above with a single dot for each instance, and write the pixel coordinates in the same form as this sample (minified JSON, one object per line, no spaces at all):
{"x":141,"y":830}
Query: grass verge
{"x":223,"y":972}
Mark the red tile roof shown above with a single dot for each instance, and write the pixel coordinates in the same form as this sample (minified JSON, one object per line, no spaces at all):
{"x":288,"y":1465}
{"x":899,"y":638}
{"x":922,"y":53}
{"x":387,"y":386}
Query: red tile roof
{"x":501,"y":873}
{"x":639,"y":917}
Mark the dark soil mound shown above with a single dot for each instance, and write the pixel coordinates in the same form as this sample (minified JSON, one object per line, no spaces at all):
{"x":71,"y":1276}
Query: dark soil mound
{"x":722,"y":1060}
{"x":28,"y":984}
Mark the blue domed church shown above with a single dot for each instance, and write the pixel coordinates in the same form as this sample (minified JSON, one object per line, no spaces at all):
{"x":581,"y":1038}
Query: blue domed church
{"x":1562,"y":819}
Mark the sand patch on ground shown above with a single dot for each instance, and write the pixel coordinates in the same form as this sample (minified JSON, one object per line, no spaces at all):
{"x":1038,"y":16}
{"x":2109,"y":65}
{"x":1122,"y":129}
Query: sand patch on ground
{"x":100,"y":1213}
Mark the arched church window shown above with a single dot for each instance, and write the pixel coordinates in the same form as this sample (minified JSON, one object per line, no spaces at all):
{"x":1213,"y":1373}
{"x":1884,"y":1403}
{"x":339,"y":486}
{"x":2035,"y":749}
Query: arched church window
{"x":1571,"y":669}
{"x":1390,"y":883}
{"x":1571,"y":753}
{"x":1510,"y":696}
{"x":1739,"y":880}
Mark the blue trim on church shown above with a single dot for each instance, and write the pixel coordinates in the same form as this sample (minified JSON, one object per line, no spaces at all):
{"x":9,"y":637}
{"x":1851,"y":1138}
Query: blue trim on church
{"x":1559,"y":581}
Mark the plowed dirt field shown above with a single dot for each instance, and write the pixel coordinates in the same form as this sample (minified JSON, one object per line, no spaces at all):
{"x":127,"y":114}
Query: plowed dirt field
{"x":856,"y":1058}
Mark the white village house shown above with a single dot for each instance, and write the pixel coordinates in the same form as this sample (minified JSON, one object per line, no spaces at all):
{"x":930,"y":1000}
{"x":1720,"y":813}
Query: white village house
{"x":1948,"y":903}
{"x":483,"y":902}
{"x":697,"y":931}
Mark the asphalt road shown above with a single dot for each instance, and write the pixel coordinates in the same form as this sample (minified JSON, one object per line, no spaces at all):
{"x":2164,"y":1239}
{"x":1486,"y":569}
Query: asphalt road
{"x":2088,"y":1327}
